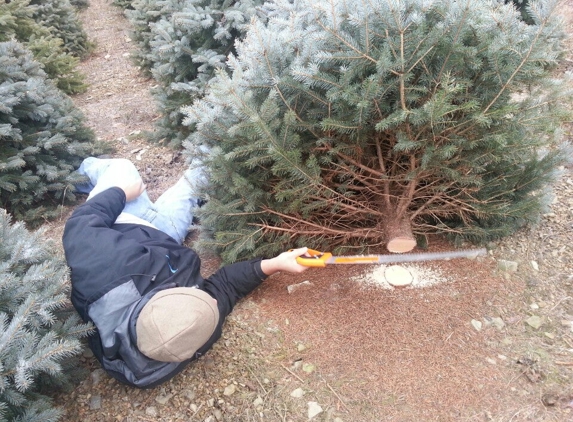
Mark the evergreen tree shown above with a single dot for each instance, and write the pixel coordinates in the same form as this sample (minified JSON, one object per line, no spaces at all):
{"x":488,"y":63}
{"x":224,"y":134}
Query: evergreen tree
{"x":181,"y":43}
{"x":187,"y":47}
{"x":43,"y":138}
{"x":62,"y":20}
{"x":16,"y":21}
{"x":39,"y":337}
{"x":351,"y":124}
{"x":142,"y":17}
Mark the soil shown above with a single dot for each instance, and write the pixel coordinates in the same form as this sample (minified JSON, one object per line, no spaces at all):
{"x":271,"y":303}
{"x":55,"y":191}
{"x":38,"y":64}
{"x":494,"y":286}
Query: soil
{"x":486,"y":339}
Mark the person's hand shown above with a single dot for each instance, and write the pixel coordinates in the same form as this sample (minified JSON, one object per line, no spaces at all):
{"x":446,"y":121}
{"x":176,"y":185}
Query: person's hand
{"x":286,"y":261}
{"x":133,"y":189}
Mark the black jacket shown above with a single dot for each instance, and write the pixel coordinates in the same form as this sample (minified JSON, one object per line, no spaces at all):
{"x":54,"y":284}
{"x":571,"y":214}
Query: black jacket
{"x":117,"y":268}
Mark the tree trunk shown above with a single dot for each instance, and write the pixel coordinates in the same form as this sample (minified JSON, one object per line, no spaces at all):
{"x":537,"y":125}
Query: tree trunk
{"x":399,"y":235}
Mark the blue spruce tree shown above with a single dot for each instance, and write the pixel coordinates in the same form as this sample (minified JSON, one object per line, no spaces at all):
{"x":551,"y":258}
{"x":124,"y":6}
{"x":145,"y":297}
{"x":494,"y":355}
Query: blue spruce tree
{"x":43,"y":138}
{"x":39,"y":332}
{"x":354,"y":124}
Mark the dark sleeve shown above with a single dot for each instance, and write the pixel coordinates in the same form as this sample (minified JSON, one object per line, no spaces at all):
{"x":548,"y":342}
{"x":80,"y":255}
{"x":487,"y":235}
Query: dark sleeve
{"x":91,"y":246}
{"x":227,"y":286}
{"x":233,"y":282}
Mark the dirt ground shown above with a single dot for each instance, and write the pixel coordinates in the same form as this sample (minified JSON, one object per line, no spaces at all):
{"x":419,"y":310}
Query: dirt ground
{"x":491,"y":339}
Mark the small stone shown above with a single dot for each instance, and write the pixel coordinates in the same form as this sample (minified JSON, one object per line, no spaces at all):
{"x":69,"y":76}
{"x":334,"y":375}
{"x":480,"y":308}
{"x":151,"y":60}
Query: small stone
{"x":107,"y":56}
{"x":300,"y":347}
{"x":151,"y":411}
{"x":294,"y":287}
{"x":534,"y":265}
{"x":96,"y":376}
{"x":550,"y":335}
{"x":491,"y":361}
{"x":314,"y":409}
{"x":218,"y":414}
{"x":125,"y":54}
{"x":476,"y":324}
{"x":507,"y":266}
{"x":550,"y":399}
{"x":230,"y":390}
{"x":534,"y":306}
{"x":498,"y":323}
{"x":193,"y":407}
{"x":87,"y":353}
{"x":163,"y":399}
{"x":95,"y":402}
{"x":211,"y":402}
{"x":298,"y":393}
{"x":258,"y":401}
{"x":534,"y":321}
{"x":308,"y":368}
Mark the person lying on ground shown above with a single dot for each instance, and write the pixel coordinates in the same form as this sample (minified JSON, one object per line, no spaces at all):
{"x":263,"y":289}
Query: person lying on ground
{"x":143,"y":290}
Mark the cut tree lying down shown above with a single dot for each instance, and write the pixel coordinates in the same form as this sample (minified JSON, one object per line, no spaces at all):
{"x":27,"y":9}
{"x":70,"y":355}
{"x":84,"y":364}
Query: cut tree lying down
{"x":353,"y":125}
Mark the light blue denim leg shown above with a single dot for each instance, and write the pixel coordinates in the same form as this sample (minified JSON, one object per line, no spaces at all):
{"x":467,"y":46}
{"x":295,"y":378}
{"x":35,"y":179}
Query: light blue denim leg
{"x":175,"y":207}
{"x":107,"y":172}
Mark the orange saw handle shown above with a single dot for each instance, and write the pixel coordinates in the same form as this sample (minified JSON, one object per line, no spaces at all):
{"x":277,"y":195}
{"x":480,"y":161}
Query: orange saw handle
{"x":317,"y":259}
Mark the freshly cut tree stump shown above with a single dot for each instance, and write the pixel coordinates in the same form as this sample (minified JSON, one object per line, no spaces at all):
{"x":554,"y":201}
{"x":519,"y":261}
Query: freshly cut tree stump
{"x":400,"y":237}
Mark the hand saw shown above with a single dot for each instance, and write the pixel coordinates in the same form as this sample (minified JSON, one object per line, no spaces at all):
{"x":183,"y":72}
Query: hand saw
{"x":322,"y":259}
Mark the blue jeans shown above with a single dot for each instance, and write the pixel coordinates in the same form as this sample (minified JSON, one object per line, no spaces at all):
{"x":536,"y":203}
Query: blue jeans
{"x":172,"y":213}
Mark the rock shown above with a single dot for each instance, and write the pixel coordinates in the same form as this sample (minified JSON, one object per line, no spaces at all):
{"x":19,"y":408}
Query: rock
{"x":294,"y":287}
{"x":163,"y":399}
{"x":507,"y":266}
{"x":534,"y":265}
{"x":534,"y":321}
{"x":550,"y":399}
{"x":151,"y":411}
{"x":95,"y":402}
{"x":188,"y":394}
{"x":300,"y":347}
{"x":230,"y":390}
{"x":476,"y":324}
{"x":308,"y":368}
{"x":314,"y":409}
{"x":298,"y":393}
{"x":258,"y":401}
{"x":498,"y":323}
{"x":218,"y":414}
{"x":87,"y":353}
{"x":96,"y":376}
